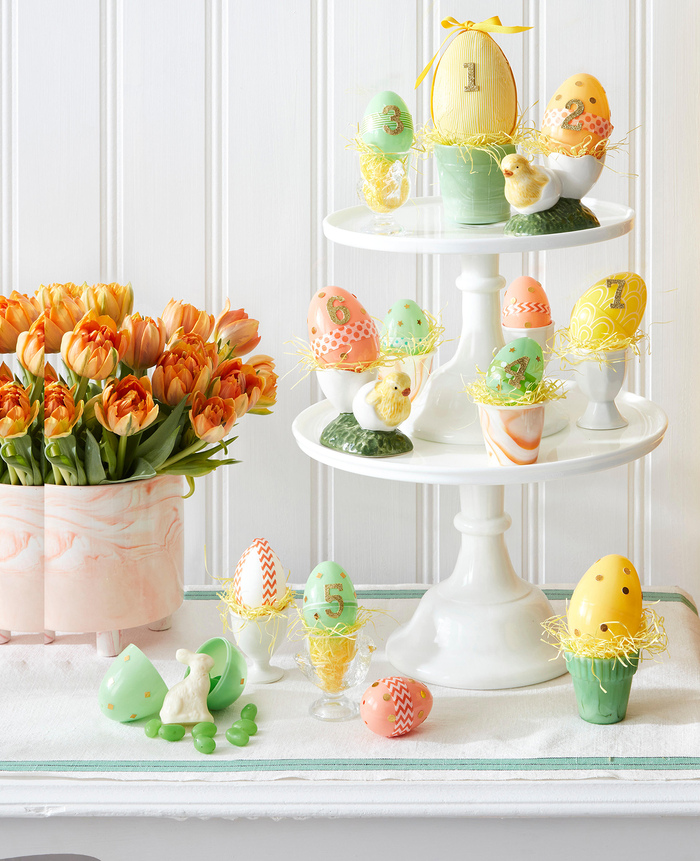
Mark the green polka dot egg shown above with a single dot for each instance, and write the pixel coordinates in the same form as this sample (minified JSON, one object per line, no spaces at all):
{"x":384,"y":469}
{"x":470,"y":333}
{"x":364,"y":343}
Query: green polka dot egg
{"x":516,"y":369}
{"x":329,"y":597}
{"x":387,"y":125}
{"x":406,"y":328}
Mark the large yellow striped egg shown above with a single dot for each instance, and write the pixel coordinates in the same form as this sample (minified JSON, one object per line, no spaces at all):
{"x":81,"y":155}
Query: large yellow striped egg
{"x":607,"y":602}
{"x":610,"y":311}
{"x":474,"y":90}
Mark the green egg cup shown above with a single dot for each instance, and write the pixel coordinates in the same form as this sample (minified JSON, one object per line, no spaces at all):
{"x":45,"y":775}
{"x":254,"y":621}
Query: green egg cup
{"x":231,"y":666}
{"x":132,"y":687}
{"x":602,"y":686}
{"x":471,"y":183}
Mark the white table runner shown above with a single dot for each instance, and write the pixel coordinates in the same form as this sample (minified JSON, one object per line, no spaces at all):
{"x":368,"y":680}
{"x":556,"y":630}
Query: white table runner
{"x":50,"y":723}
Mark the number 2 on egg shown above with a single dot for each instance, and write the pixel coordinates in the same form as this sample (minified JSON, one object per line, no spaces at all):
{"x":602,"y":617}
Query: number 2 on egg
{"x":572,"y":116}
{"x":330,"y":599}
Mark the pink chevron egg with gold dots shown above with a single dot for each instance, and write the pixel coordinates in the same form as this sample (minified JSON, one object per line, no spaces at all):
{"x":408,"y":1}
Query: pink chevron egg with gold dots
{"x":395,"y":706}
{"x":259,"y":579}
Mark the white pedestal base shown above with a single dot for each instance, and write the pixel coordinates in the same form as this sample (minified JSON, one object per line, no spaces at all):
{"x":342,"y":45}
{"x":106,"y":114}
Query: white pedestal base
{"x":480,"y":628}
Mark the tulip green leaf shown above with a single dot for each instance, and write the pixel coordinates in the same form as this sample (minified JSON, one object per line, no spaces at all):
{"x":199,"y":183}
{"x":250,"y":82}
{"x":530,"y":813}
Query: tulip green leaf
{"x":156,"y":448}
{"x":93,"y":462}
{"x":109,"y":453}
{"x":142,"y":471}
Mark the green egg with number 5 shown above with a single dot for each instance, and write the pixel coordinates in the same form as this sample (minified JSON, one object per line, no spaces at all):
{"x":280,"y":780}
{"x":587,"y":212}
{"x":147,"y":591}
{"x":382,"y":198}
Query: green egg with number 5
{"x":516,"y":368}
{"x":329,"y":597}
{"x":387,"y":124}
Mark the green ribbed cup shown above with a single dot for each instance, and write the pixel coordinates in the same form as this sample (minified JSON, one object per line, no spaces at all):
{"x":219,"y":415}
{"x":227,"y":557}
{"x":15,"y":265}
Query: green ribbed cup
{"x":595,"y":705}
{"x":471,"y":183}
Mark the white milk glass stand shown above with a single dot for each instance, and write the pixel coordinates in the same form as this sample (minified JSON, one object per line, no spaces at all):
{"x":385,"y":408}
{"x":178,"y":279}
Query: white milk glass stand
{"x":481,"y":627}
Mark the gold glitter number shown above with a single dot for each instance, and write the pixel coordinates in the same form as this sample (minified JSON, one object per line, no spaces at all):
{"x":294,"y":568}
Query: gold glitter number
{"x":395,"y":117}
{"x":517,"y":369}
{"x":572,"y":116}
{"x":339,"y":314}
{"x":617,"y":301}
{"x":329,"y":599}
{"x":472,"y":86}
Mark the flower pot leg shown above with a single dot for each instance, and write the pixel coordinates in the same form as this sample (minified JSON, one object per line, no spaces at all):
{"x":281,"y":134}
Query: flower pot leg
{"x":5,"y":637}
{"x":109,"y":643}
{"x":162,"y":624}
{"x":49,"y":637}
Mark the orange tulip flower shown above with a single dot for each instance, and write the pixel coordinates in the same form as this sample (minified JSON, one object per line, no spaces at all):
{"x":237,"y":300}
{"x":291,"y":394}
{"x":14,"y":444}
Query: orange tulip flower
{"x":183,"y":369}
{"x":180,"y":315}
{"x":109,"y":300}
{"x":17,"y":413}
{"x":62,"y":313}
{"x":95,"y":347}
{"x":31,"y":347}
{"x":263,"y":368}
{"x":236,"y":332}
{"x":146,"y":341}
{"x":6,"y":375}
{"x":60,"y":412}
{"x":17,"y":313}
{"x":212,"y":418}
{"x":126,"y":406}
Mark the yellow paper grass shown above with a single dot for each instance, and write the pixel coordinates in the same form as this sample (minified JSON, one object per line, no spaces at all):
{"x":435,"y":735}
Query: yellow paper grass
{"x":430,"y":136}
{"x":651,"y":638}
{"x":538,"y":143}
{"x":263,"y":614}
{"x":571,"y":351}
{"x":309,"y":362}
{"x":548,"y":389}
{"x":386,"y":186}
{"x":427,"y":345}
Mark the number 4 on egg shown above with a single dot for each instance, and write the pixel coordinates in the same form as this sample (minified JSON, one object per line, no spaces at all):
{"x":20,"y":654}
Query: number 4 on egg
{"x":517,"y":370}
{"x":329,"y":599}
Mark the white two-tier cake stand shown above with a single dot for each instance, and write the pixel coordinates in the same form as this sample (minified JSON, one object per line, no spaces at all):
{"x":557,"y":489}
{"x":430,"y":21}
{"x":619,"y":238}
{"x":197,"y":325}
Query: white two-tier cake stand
{"x":481,"y":627}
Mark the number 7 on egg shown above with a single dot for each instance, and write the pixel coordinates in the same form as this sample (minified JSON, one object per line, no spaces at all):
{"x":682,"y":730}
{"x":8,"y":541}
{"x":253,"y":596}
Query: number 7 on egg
{"x":329,"y":599}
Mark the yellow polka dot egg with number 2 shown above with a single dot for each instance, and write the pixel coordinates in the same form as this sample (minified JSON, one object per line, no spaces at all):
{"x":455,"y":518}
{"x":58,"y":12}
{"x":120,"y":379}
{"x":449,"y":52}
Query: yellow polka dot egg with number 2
{"x":608,"y":314}
{"x":577,"y":118}
{"x":329,"y":597}
{"x":607,"y":603}
{"x":341,"y":332}
{"x":474,"y":91}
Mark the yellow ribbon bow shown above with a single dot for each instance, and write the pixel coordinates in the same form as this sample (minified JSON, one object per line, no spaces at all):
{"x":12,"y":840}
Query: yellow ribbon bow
{"x":490,"y":25}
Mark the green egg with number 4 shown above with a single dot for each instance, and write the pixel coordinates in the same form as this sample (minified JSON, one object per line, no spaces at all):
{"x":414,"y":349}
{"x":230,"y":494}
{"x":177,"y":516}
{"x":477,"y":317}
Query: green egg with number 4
{"x":329,"y":597}
{"x":516,"y":368}
{"x":387,"y":124}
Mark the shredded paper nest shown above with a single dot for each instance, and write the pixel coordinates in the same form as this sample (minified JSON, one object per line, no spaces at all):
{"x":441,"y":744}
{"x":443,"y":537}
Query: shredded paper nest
{"x":429,"y":344}
{"x":430,"y":136}
{"x":549,"y":389}
{"x":571,"y":351}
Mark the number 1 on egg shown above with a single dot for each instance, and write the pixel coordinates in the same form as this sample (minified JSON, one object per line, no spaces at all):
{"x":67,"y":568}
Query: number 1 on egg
{"x":330,"y":599}
{"x":471,"y":86}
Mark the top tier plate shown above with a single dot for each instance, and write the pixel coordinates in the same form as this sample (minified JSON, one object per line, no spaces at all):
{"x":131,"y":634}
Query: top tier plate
{"x":427,"y":230}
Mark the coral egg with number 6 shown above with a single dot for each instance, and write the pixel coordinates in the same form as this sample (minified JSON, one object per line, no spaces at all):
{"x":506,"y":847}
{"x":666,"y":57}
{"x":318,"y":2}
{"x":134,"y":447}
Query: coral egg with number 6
{"x":341,"y":332}
{"x":578,"y":116}
{"x":329,"y":597}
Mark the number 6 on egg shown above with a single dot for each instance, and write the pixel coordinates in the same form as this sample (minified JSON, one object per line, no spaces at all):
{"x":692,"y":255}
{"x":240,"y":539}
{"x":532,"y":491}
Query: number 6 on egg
{"x":329,"y":599}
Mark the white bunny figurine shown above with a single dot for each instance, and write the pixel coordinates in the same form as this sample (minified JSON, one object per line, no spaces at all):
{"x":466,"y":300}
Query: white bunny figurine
{"x":186,"y":702}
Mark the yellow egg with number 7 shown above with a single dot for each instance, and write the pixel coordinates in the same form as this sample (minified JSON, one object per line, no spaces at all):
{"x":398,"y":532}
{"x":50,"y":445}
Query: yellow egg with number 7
{"x":607,"y":602}
{"x":329,"y":597}
{"x":610,"y":311}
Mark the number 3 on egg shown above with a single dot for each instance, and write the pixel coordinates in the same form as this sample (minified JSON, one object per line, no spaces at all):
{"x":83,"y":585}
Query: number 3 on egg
{"x":395,"y":118}
{"x":329,"y":599}
{"x":339,"y":314}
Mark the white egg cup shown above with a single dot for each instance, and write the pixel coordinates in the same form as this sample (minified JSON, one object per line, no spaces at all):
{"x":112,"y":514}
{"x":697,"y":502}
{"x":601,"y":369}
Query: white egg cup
{"x":259,"y":639}
{"x":577,"y":175}
{"x":601,"y":383}
{"x":340,"y":387}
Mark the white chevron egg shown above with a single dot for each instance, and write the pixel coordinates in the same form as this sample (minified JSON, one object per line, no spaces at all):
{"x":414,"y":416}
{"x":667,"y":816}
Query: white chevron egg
{"x":259,"y":579}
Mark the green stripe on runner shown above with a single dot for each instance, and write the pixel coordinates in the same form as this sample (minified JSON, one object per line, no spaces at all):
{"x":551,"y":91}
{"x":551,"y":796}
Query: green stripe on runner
{"x":378,"y":593}
{"x":585,"y":763}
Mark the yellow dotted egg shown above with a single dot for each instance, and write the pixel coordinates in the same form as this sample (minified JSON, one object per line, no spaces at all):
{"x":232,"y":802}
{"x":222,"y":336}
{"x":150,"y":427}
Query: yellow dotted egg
{"x":607,"y":602}
{"x":609,"y":312}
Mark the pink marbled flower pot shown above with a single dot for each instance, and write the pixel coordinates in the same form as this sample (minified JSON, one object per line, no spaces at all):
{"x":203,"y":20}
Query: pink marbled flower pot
{"x":114,"y":554}
{"x":21,"y":558}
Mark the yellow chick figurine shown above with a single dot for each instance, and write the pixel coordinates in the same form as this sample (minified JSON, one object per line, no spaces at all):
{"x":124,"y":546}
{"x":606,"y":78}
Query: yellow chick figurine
{"x":529,"y":188}
{"x":383,"y":405}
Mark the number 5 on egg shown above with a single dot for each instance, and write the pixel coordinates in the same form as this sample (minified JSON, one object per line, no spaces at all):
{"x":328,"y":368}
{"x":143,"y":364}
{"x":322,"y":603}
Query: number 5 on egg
{"x":329,"y":599}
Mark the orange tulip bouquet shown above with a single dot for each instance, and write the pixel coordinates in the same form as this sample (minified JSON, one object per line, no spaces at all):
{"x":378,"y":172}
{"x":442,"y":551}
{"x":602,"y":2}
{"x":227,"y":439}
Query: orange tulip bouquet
{"x":137,"y":397}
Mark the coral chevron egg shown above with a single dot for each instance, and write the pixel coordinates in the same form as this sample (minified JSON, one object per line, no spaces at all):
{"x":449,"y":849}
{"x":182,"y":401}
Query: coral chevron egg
{"x":525,"y":305}
{"x":394,"y":706}
{"x":259,"y":579}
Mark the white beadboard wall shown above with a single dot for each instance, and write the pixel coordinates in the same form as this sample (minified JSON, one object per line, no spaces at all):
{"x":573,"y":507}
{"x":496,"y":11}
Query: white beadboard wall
{"x":193,"y":148}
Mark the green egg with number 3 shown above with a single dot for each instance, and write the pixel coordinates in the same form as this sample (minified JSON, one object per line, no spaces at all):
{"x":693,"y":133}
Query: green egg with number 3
{"x":516,"y":369}
{"x":387,"y":124}
{"x":329,"y":597}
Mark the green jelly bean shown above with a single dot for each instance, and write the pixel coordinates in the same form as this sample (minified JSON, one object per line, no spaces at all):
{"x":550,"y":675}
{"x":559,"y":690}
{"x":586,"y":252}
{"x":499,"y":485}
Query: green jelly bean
{"x":206,"y":727}
{"x":204,"y":744}
{"x":152,"y":727}
{"x":213,"y":682}
{"x":249,"y":712}
{"x":171,"y":731}
{"x":248,"y":726}
{"x":237,"y":736}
